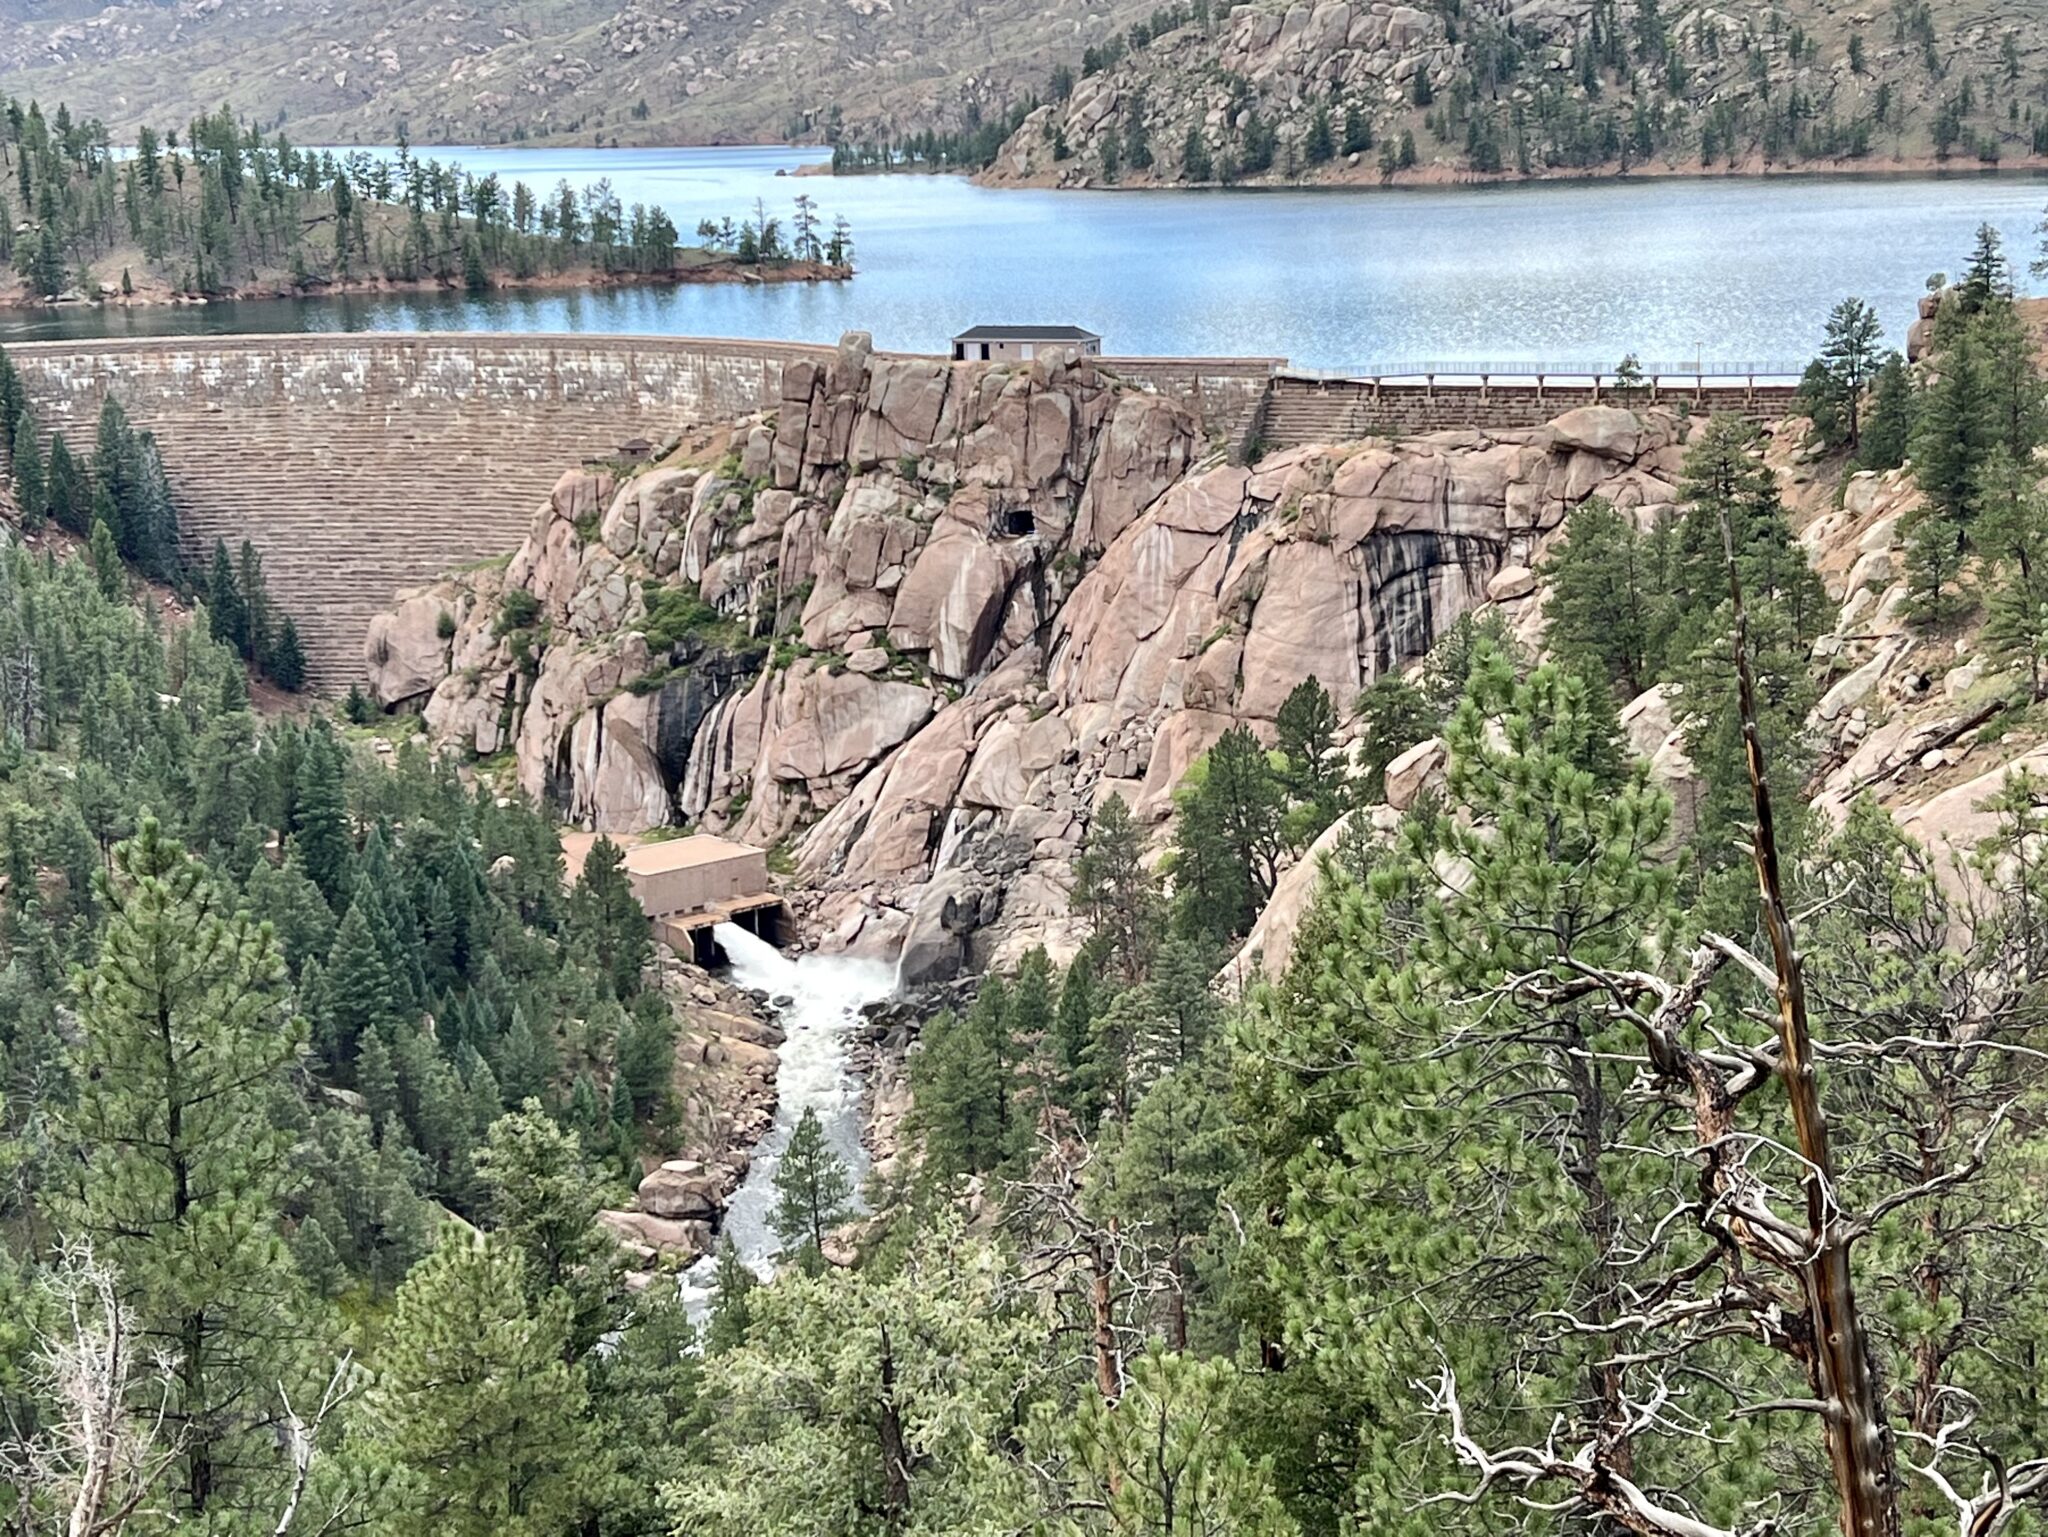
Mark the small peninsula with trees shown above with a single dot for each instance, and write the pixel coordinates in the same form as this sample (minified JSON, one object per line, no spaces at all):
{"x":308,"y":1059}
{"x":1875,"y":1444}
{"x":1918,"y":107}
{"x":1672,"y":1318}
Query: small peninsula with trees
{"x":220,"y":210}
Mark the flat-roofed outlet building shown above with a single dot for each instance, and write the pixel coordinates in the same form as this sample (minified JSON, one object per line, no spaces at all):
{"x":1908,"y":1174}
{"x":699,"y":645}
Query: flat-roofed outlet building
{"x":1020,"y":344}
{"x":686,"y":886}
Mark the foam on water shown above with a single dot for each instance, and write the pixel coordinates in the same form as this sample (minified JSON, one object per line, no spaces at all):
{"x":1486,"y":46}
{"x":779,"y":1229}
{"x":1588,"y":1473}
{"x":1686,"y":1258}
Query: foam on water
{"x":825,"y":994}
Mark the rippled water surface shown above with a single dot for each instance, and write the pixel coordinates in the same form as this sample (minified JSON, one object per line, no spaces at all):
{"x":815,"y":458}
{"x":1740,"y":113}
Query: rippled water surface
{"x":1731,"y":270}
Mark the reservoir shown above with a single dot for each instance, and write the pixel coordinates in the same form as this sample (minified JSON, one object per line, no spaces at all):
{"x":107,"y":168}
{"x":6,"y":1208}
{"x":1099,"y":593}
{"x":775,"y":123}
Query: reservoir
{"x":1725,"y":270}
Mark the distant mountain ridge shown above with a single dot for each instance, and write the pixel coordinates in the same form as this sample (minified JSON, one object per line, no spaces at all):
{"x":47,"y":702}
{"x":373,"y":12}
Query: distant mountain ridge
{"x":631,"y":71}
{"x":1351,"y":90}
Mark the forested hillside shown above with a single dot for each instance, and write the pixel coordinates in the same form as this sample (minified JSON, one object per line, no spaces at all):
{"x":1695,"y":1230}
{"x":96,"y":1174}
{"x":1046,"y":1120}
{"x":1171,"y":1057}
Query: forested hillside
{"x":218,"y":208}
{"x":1640,"y":1126}
{"x":1450,"y":90}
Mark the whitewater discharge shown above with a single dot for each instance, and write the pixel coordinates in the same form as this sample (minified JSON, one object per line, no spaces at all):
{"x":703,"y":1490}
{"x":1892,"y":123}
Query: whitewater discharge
{"x":820,"y":998}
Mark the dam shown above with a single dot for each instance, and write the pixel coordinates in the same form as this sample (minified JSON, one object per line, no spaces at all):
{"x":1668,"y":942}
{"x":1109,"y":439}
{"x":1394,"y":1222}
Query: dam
{"x":362,"y":463}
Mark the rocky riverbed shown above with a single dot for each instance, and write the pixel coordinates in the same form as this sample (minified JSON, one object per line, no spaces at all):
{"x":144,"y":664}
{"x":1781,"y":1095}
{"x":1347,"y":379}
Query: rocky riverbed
{"x":727,"y":1065}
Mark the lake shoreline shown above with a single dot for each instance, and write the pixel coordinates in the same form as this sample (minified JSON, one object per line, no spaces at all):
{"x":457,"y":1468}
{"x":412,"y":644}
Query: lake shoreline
{"x":156,"y":295}
{"x":1340,"y":176}
{"x":1741,"y":269}
{"x":1367,"y":177}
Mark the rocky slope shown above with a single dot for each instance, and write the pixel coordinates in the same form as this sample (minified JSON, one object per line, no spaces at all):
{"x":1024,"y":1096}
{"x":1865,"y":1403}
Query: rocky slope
{"x":633,"y":71}
{"x":725,"y":1087}
{"x":1540,"y":87}
{"x":916,"y":623}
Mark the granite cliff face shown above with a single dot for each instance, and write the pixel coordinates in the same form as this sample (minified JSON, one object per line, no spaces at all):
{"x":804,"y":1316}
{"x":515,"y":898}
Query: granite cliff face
{"x":917,"y":622}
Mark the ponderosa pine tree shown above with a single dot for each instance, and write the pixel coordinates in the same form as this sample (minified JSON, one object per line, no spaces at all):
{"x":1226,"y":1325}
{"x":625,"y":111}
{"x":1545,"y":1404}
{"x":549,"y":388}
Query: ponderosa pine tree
{"x":1394,"y":715}
{"x":1114,"y":889}
{"x":176,"y":1169}
{"x":1726,"y":486}
{"x":287,"y":660}
{"x":1228,"y":842}
{"x":477,"y":1409}
{"x":607,"y":921}
{"x":813,"y":1193}
{"x":1305,"y":731}
{"x":1605,"y":610}
{"x":910,"y":1381}
{"x":2012,"y":533}
{"x":1166,"y":1172}
{"x":544,"y":1202}
{"x":2001,"y":352}
{"x":1888,"y":426}
{"x":1849,"y":361}
{"x":1161,"y":1458}
{"x":1352,"y":1110}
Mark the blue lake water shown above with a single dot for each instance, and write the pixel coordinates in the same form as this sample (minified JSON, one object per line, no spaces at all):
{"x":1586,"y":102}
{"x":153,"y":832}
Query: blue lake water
{"x":1729,"y":270}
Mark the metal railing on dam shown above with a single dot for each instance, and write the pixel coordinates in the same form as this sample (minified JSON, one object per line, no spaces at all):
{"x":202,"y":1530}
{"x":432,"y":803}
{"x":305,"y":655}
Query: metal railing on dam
{"x":362,"y":463}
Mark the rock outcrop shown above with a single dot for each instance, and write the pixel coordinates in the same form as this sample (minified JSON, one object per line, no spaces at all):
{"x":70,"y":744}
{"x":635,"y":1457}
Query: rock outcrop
{"x":724,"y":1088}
{"x":917,"y":623}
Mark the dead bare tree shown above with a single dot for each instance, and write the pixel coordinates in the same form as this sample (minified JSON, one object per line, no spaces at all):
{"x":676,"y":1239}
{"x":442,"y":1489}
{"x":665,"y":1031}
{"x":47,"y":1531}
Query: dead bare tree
{"x":1102,"y":1279}
{"x":110,"y":1442}
{"x":1771,"y":1259}
{"x":101,"y":1458}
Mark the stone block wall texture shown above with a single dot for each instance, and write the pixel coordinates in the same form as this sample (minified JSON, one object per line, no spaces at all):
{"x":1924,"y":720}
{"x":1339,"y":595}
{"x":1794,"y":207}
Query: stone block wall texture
{"x":366,"y":463}
{"x":1302,"y":411}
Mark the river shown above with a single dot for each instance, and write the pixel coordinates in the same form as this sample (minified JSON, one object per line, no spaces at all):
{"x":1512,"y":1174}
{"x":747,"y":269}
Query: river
{"x":824,"y":995}
{"x":1729,"y":269}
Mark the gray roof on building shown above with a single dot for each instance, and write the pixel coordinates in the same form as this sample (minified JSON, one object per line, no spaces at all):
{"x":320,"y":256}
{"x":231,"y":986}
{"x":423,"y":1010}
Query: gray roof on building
{"x":1026,"y":334}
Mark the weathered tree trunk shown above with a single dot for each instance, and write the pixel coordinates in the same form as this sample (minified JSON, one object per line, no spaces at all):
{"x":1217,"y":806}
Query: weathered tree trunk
{"x":1109,"y":1376}
{"x":889,"y":1433}
{"x":1843,"y":1370}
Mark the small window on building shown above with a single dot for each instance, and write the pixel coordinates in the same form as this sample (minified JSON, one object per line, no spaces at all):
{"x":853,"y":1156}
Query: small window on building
{"x":1018,"y":522}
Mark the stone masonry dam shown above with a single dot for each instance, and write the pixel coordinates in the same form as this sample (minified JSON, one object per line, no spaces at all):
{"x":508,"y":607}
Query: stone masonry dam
{"x":363,"y":463}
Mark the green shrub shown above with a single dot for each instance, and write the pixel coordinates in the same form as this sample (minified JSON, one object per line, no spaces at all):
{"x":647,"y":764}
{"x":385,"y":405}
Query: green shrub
{"x":517,"y":610}
{"x":675,"y":612}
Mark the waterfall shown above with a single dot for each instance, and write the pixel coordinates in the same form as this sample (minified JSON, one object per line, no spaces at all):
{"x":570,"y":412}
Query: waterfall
{"x":824,"y":996}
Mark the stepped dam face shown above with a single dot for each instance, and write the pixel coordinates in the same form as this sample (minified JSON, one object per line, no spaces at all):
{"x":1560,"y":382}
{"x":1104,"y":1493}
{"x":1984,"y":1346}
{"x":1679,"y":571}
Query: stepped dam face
{"x":363,"y":463}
